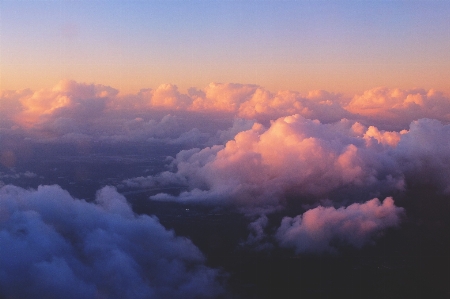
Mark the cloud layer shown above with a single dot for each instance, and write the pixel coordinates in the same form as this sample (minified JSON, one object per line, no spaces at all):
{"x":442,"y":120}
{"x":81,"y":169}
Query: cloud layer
{"x":55,"y":246}
{"x":260,"y":151}
{"x":71,"y":111}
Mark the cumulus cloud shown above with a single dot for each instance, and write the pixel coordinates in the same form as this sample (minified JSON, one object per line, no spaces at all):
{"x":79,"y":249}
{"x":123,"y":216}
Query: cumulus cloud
{"x":166,"y":96}
{"x":223,"y":136}
{"x":321,"y":105}
{"x":79,"y":112}
{"x":80,"y":99}
{"x":55,"y":246}
{"x":246,"y":146}
{"x":320,"y":229}
{"x":300,"y":157}
{"x":253,"y":162}
{"x":72,"y":109}
{"x":294,"y":155}
{"x":424,"y":154}
{"x":257,"y":238}
{"x":300,"y":163}
{"x":396,"y":108}
{"x":222,"y":96}
{"x":10,"y":106}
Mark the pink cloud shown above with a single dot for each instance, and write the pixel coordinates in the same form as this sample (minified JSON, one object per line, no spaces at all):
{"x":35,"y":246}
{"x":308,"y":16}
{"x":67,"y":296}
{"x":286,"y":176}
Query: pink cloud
{"x":382,"y":107}
{"x":294,"y":155}
{"x":397,"y":107}
{"x":357,"y":224}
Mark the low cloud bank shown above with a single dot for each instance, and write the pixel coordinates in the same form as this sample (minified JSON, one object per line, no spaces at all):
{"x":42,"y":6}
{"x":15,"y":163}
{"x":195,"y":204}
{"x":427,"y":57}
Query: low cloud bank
{"x":55,"y":246}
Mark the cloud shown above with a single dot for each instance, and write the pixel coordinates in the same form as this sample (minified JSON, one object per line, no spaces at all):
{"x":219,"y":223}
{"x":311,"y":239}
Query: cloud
{"x":222,"y":96}
{"x":100,"y":112}
{"x":257,"y":238}
{"x":320,"y":105}
{"x":223,"y":136}
{"x":294,"y":156}
{"x":424,"y":154}
{"x":55,"y":246}
{"x":10,"y":105}
{"x":300,"y":158}
{"x":80,"y":112}
{"x":166,"y":96}
{"x":319,"y":229}
{"x":15,"y":175}
{"x":286,"y":155}
{"x":80,"y":99}
{"x":396,"y":108}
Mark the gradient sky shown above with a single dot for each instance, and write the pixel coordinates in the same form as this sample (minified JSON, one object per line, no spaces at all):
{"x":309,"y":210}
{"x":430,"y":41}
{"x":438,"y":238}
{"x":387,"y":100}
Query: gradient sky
{"x":341,"y":46}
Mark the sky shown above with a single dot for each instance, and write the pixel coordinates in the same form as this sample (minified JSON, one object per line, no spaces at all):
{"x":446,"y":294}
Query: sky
{"x":338,"y":46}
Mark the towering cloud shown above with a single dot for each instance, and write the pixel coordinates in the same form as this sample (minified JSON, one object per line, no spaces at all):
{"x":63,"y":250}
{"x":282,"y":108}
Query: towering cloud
{"x":55,"y":246}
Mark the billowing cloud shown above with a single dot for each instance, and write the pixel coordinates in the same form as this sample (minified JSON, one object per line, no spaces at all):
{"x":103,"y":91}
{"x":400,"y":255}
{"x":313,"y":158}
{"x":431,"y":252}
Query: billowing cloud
{"x":300,"y":157}
{"x":79,"y":99}
{"x":322,"y":228}
{"x":238,"y":145}
{"x":79,"y":112}
{"x":254,"y":102}
{"x":166,"y":96}
{"x":55,"y":246}
{"x":294,"y":156}
{"x":424,"y":154}
{"x":71,"y":109}
{"x":396,"y":108}
{"x":223,"y":136}
{"x":257,"y":238}
{"x":222,"y":96}
{"x":319,"y":104}
{"x":10,"y":106}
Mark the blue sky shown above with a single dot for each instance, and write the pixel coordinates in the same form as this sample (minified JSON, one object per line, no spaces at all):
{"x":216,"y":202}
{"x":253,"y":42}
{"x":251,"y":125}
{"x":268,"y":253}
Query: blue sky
{"x":345,"y":46}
